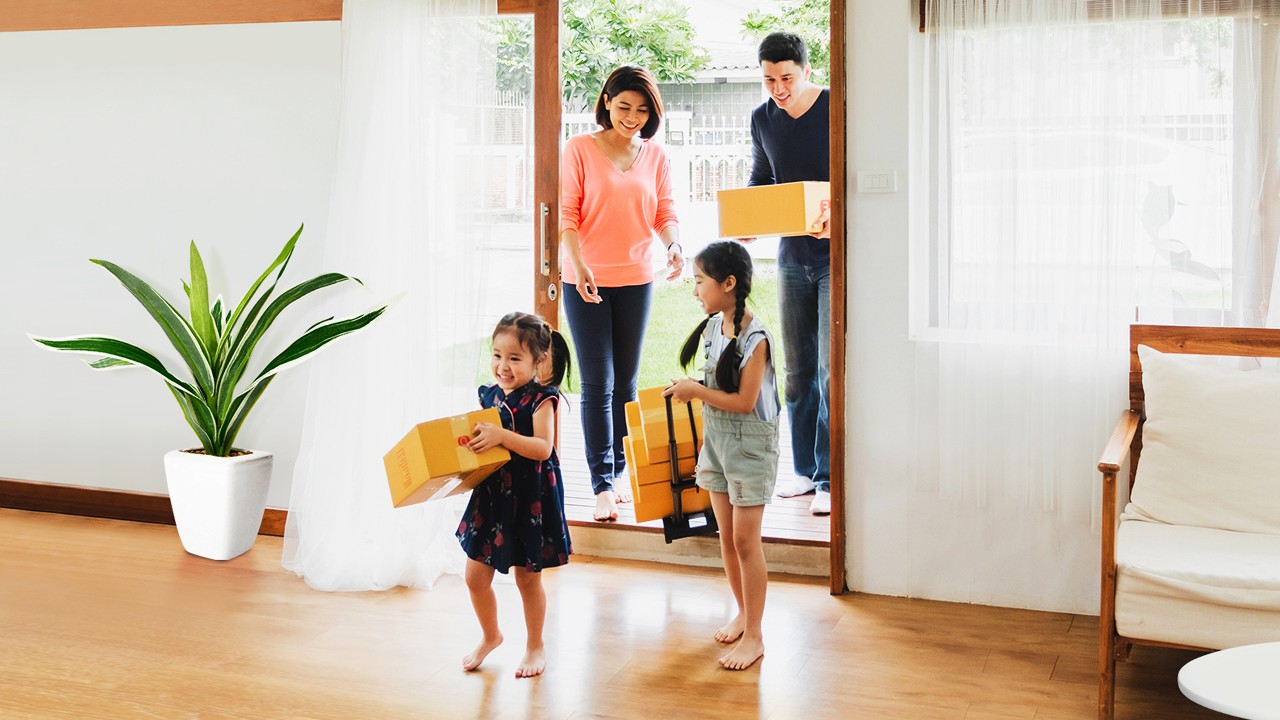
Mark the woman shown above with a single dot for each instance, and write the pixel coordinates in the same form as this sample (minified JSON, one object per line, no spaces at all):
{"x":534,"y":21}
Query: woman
{"x":616,"y":193}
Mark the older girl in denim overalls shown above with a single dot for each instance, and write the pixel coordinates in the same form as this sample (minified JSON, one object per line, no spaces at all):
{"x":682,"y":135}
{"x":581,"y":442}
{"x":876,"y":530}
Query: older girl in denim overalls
{"x":738,"y":463}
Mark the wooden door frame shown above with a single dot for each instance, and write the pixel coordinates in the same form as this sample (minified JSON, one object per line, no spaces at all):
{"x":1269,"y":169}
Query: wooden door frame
{"x":25,"y":15}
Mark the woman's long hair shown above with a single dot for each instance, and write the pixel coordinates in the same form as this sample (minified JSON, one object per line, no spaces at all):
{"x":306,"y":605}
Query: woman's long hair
{"x":718,"y":261}
{"x":534,"y":333}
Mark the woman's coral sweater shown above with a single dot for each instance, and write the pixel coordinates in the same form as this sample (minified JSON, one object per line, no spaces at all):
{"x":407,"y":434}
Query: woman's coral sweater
{"x":615,"y":213}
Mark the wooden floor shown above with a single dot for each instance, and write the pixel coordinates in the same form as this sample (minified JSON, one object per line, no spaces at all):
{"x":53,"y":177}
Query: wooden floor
{"x":785,"y":519}
{"x":109,"y":619}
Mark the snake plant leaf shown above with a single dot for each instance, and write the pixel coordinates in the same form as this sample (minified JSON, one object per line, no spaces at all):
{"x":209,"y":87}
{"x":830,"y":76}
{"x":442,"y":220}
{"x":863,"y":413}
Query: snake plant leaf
{"x":317,"y":338}
{"x":240,"y":408}
{"x":118,"y":349}
{"x":219,"y":320}
{"x":201,"y":318}
{"x":281,"y":261}
{"x":200,"y":422}
{"x":174,"y":325}
{"x":245,"y":346}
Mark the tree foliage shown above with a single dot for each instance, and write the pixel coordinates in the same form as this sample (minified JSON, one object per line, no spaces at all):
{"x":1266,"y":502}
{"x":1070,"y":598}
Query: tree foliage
{"x":810,"y":19}
{"x":597,"y":36}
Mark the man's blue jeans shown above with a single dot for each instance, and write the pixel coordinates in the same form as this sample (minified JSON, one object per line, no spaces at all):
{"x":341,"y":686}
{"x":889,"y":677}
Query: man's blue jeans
{"x":606,"y":340}
{"x":804,"y":294}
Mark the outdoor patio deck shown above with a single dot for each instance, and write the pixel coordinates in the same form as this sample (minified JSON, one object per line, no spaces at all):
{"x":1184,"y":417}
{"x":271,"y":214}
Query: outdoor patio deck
{"x":785,"y":520}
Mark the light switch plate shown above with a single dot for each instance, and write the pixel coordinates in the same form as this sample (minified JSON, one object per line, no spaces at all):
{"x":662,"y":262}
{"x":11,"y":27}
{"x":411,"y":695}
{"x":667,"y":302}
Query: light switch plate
{"x":877,"y":181}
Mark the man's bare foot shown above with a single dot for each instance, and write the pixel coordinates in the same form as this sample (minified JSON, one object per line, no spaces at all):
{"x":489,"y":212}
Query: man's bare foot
{"x":477,"y":656}
{"x":605,"y":507}
{"x":743,"y":655}
{"x":622,"y":496}
{"x":731,"y":630}
{"x":534,"y":662}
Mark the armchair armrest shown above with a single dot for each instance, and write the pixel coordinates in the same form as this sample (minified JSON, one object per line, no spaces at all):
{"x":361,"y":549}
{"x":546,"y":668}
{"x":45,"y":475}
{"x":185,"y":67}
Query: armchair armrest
{"x":1117,"y":448}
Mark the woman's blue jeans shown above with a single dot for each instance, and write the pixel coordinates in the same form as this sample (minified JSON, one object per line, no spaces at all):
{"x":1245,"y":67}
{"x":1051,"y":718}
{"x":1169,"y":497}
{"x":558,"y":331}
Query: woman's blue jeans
{"x":607,"y":338}
{"x":804,"y":296}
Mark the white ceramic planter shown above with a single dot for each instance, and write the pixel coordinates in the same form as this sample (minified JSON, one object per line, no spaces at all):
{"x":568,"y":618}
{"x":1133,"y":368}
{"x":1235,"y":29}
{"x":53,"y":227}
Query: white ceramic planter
{"x":217,"y":501}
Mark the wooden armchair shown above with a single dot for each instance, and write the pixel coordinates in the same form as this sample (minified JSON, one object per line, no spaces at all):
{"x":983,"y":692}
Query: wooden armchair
{"x":1227,"y":621}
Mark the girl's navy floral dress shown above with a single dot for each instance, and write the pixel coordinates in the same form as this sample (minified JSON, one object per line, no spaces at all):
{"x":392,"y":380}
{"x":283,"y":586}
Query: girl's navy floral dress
{"x":516,"y":517}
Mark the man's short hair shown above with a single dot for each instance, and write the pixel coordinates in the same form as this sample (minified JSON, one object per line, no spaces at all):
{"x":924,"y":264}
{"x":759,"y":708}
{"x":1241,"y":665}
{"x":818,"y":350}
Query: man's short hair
{"x":782,"y":46}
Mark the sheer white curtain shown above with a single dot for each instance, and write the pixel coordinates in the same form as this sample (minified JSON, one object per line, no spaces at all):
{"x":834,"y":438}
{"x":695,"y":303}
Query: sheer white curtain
{"x":405,"y":218}
{"x":1087,"y":163}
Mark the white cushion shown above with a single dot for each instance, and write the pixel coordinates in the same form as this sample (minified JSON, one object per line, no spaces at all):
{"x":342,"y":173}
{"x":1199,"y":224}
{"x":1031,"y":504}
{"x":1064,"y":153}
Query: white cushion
{"x":1197,"y":586}
{"x":1210,"y":446}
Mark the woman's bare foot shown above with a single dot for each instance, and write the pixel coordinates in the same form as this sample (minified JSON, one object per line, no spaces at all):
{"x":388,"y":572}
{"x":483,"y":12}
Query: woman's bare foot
{"x":534,"y":662}
{"x":622,"y":496}
{"x":731,"y":630}
{"x":743,"y":655}
{"x":477,"y":656}
{"x":606,"y":509}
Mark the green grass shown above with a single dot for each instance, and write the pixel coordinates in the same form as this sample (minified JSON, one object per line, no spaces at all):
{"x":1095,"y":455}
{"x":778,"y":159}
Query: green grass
{"x":673,"y":316}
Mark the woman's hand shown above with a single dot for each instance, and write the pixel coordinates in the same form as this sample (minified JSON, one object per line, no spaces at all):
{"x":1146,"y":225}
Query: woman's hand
{"x":587,"y":285}
{"x":675,"y":260}
{"x":486,"y":436}
{"x":684,"y":390}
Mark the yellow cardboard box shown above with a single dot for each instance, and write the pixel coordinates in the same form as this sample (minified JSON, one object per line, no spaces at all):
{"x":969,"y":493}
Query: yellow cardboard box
{"x":651,"y":487}
{"x":433,"y":461}
{"x":651,"y":430}
{"x":783,"y":209}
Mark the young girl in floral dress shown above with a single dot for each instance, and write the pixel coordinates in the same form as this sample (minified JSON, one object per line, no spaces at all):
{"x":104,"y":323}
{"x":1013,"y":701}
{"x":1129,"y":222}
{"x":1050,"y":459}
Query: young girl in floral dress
{"x":515,"y":518}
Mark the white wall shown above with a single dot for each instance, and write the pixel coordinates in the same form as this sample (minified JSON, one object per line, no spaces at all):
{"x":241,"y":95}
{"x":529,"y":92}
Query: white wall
{"x":903,"y":538}
{"x":126,"y":145}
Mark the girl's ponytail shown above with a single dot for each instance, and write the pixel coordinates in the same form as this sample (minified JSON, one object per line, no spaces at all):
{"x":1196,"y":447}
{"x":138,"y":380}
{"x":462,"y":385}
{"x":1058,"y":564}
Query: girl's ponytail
{"x":729,"y":368}
{"x":690,"y":347}
{"x":561,"y":363}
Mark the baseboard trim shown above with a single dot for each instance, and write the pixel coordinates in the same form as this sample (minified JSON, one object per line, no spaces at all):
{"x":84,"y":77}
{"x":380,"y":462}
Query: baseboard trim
{"x":106,"y":503}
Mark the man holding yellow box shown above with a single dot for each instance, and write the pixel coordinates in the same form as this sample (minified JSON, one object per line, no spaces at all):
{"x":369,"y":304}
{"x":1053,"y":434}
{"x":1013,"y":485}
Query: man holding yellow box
{"x":791,"y":142}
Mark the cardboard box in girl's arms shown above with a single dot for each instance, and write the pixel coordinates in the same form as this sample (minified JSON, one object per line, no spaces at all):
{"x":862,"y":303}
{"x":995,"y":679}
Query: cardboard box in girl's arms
{"x":433,"y":460}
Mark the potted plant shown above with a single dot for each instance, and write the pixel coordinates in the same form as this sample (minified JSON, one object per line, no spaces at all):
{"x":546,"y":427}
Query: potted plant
{"x":218,"y":491}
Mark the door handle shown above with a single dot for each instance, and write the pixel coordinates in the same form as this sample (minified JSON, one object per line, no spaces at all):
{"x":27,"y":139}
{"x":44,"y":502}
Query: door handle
{"x":543,"y":212}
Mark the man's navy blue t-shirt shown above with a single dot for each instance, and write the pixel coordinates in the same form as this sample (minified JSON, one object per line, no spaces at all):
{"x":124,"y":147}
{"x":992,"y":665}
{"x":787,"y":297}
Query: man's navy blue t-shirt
{"x":786,"y":149}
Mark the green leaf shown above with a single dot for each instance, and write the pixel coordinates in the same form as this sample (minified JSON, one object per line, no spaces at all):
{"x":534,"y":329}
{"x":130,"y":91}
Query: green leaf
{"x":199,"y":418}
{"x":108,"y":362}
{"x":219,"y":320}
{"x":244,"y":346}
{"x":175,"y":327}
{"x":240,"y":408}
{"x":317,"y":338}
{"x":201,"y":319}
{"x":113,"y":348}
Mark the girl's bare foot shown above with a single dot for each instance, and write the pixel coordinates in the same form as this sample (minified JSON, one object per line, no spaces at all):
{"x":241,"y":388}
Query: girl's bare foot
{"x":731,"y":631}
{"x":622,"y":496}
{"x":477,"y":656}
{"x":534,"y":662}
{"x":743,"y":655}
{"x":605,"y":507}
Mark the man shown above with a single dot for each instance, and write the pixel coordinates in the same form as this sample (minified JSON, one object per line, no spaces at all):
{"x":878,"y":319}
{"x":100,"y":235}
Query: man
{"x":791,"y":142}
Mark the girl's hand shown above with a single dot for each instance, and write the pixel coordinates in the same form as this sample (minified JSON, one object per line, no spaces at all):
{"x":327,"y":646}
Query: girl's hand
{"x":684,"y":390}
{"x":587,"y":285}
{"x":486,"y":436}
{"x":675,"y":261}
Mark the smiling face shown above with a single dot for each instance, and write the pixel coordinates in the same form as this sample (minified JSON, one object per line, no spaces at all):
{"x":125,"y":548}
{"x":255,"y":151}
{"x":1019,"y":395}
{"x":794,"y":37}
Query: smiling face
{"x":513,"y":364}
{"x":785,"y":81}
{"x":628,"y":112}
{"x":714,"y":296}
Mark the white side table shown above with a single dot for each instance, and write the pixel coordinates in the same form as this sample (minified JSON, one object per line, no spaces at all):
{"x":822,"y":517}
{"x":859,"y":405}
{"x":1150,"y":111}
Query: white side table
{"x":1243,"y":682}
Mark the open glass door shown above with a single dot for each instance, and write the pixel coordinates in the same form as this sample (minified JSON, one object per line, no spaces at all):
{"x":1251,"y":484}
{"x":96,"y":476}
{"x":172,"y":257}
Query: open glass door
{"x":523,"y":153}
